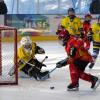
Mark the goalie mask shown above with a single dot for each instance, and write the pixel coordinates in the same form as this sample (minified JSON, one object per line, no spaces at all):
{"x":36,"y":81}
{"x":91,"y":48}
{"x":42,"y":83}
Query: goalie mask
{"x":26,"y":43}
{"x":63,"y":37}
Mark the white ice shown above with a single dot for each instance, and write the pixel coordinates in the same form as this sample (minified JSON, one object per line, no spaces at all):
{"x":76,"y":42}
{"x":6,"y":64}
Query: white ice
{"x":30,"y":89}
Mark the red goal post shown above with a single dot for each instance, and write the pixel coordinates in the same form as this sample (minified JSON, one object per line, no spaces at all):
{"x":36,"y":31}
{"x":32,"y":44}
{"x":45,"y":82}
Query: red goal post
{"x":8,"y":55}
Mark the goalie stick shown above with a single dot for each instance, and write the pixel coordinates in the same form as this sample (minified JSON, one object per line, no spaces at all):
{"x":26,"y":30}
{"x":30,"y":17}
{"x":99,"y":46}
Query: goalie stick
{"x":12,"y":70}
{"x":63,"y":62}
{"x":29,"y":64}
{"x":57,"y":64}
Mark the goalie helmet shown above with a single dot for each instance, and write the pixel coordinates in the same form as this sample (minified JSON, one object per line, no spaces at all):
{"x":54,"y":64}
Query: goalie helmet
{"x":26,"y":42}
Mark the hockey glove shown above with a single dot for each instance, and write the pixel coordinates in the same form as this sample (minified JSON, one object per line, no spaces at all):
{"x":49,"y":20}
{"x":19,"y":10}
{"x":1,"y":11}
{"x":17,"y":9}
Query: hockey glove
{"x":61,"y":63}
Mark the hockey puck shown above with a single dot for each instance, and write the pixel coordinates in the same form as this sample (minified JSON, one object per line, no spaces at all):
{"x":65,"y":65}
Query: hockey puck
{"x":46,"y":57}
{"x":52,"y":87}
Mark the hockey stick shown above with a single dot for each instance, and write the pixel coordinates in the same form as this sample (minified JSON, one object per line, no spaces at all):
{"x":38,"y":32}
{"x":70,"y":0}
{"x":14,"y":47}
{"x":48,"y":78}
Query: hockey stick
{"x":11,"y":72}
{"x":63,"y":64}
{"x":44,"y":59}
{"x":34,"y":65}
{"x":29,"y":64}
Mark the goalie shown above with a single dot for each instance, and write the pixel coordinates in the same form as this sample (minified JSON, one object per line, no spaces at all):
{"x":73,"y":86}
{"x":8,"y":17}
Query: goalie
{"x":27,"y":62}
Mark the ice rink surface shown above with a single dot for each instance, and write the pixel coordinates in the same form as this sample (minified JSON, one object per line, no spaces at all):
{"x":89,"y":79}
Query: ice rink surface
{"x":30,"y":89}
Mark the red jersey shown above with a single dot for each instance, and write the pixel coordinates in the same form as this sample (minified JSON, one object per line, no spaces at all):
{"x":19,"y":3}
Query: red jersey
{"x":86,"y":27}
{"x":81,"y":52}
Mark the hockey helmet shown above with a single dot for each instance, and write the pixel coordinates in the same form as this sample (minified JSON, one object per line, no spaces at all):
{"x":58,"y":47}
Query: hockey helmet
{"x":71,"y":10}
{"x":88,"y":16}
{"x":63,"y":37}
{"x":26,"y":42}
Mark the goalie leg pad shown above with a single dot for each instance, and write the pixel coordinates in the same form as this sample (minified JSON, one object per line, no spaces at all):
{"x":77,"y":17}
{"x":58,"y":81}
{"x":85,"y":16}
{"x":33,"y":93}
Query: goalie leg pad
{"x":29,"y":70}
{"x":44,"y":75}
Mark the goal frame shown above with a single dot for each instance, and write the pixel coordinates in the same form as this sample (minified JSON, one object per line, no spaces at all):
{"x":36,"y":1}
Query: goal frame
{"x":15,"y":55}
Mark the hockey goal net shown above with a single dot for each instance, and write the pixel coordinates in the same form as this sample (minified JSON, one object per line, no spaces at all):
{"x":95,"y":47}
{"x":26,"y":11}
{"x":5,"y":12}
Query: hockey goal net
{"x":8,"y":55}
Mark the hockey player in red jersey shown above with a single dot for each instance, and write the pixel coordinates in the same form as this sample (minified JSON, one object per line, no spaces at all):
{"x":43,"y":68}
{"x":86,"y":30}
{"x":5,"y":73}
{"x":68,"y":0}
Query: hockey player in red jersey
{"x":78,"y":58}
{"x":87,"y":30}
{"x":87,"y":23}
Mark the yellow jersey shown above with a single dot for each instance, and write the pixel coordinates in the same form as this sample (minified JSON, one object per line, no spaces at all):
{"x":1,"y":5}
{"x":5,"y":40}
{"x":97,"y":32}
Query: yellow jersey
{"x":26,"y":56}
{"x":73,"y":27}
{"x":96,"y":32}
{"x":96,"y":35}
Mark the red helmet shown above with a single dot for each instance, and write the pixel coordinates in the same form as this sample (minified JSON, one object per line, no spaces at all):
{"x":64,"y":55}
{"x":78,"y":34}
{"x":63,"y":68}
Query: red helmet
{"x":63,"y":36}
{"x":88,"y":16}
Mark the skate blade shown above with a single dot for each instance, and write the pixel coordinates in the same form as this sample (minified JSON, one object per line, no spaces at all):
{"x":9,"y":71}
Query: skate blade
{"x":75,"y":89}
{"x":97,"y":84}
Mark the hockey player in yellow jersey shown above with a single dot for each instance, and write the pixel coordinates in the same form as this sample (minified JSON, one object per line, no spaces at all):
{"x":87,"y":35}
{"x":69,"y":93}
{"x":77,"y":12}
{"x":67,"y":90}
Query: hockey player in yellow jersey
{"x":27,"y":61}
{"x":72,"y":23}
{"x":96,"y":40}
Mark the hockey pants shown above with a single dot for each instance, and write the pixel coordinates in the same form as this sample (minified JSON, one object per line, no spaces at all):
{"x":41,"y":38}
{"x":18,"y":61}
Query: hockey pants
{"x":76,"y":73}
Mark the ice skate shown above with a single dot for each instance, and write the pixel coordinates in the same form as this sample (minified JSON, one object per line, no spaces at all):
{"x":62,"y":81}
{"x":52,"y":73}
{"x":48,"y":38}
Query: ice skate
{"x":71,"y":87}
{"x":95,"y":83}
